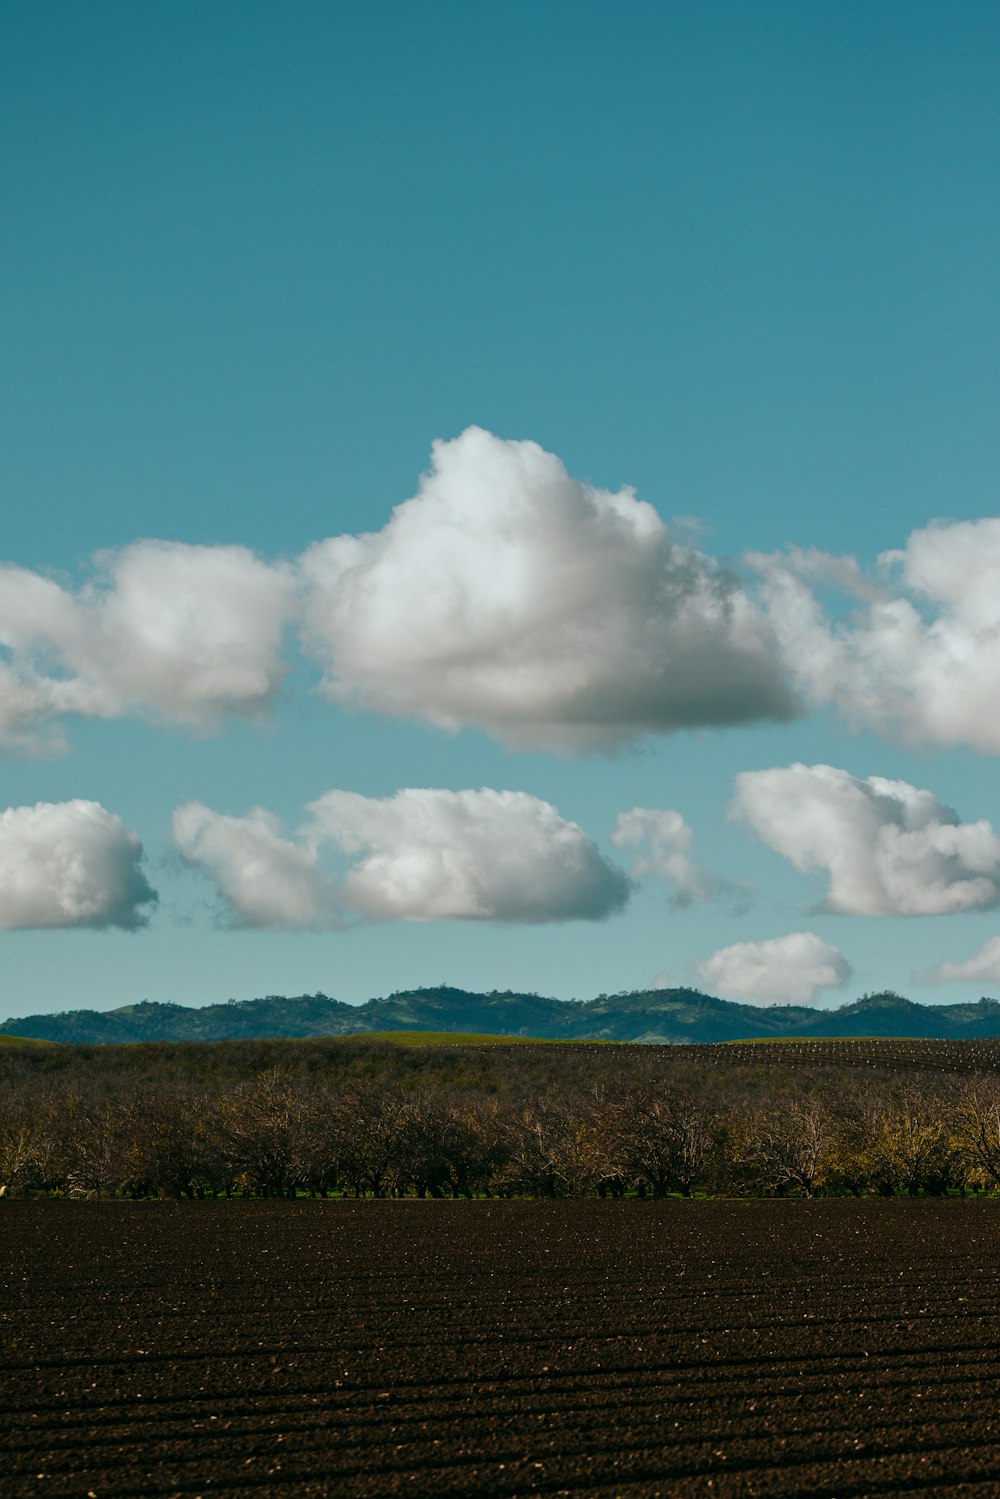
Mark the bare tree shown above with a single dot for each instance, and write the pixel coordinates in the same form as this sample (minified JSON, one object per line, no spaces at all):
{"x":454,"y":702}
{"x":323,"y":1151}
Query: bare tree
{"x":975,"y":1119}
{"x":665,"y":1140}
{"x":789,"y":1147}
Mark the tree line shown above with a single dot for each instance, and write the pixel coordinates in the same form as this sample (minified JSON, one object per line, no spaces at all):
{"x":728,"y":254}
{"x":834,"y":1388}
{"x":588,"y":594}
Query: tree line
{"x":369,"y":1119}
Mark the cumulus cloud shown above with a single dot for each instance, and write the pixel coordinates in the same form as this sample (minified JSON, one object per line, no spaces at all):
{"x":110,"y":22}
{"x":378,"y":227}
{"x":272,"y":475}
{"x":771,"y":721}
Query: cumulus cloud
{"x":889,"y":848}
{"x":783,"y":970}
{"x":26,"y":710}
{"x":420,"y":855}
{"x":264,"y":880}
{"x":184,"y":634}
{"x":434,"y":855}
{"x":506,"y":595}
{"x":550,"y":613}
{"x":662,"y":842}
{"x":70,"y":864}
{"x":918,"y":657}
{"x":982,"y":968}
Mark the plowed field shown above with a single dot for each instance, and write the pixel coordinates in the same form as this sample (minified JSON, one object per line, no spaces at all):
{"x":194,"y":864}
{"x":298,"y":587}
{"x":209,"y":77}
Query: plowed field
{"x":448,"y":1348}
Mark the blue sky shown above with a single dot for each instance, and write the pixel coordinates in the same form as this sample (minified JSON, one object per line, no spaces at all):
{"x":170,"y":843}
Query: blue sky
{"x":739,"y":260}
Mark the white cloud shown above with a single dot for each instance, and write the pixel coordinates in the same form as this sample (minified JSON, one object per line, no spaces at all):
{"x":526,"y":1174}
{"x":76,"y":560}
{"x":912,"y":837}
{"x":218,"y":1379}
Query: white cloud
{"x":421,"y":855}
{"x":434,"y":855}
{"x":982,"y":968}
{"x":662,"y":842}
{"x":505,"y":595}
{"x":511,"y":596}
{"x":263,"y":879}
{"x":919,"y":658}
{"x":783,"y":970}
{"x":70,"y":864}
{"x":26,"y":706}
{"x":889,"y":848}
{"x":186,"y":634}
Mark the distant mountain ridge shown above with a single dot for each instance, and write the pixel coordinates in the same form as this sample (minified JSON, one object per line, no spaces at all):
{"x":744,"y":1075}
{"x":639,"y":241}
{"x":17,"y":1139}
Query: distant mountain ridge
{"x":663,"y":1016}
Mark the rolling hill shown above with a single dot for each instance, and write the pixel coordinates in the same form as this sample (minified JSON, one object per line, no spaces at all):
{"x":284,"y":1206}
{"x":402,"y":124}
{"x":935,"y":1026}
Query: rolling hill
{"x":663,"y":1016}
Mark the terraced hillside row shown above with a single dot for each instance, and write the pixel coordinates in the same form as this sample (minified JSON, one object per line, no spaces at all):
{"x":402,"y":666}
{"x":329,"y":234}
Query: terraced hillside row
{"x":898,"y":1053}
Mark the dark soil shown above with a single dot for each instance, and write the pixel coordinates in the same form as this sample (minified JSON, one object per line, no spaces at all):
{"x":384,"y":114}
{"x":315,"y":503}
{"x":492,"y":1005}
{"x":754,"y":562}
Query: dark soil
{"x":447,"y":1348}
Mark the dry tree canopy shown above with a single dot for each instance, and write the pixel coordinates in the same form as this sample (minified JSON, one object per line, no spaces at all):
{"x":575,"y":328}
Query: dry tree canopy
{"x":367,"y":1117}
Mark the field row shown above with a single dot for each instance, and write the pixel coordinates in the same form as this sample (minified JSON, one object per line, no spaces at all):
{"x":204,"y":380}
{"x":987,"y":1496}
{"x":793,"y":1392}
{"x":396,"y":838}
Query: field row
{"x":776,"y":1348}
{"x":897,"y":1053}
